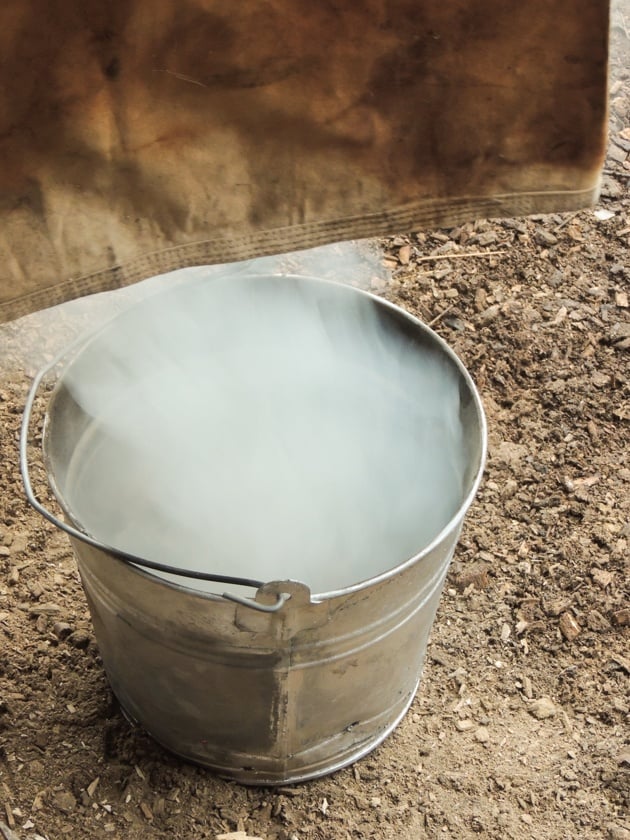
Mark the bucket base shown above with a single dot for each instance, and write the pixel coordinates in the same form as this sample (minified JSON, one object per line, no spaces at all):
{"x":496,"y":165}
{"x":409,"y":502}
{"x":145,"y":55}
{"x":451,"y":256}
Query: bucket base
{"x":263,"y":777}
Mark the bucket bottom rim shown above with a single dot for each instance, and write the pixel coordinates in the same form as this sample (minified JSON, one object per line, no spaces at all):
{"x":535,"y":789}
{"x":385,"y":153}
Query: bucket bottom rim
{"x":250,"y":777}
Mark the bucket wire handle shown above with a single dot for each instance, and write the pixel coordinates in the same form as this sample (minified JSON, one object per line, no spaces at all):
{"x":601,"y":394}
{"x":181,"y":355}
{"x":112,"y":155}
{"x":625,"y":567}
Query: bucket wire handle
{"x":130,"y":559}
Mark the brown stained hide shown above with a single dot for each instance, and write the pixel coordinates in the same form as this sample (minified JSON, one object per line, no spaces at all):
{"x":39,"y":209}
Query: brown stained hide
{"x":221,"y":132}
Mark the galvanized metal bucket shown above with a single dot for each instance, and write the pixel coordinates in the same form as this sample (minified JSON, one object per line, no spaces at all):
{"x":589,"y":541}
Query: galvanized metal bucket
{"x":285,"y":685}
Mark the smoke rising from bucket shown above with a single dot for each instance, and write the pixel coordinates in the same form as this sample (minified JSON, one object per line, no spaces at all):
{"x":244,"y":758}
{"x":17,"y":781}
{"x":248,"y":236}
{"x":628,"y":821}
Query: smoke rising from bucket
{"x":28,"y":343}
{"x":247,"y":424}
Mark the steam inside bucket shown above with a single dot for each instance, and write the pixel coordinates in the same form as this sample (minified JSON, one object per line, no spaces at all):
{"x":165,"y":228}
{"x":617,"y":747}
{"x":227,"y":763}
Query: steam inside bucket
{"x":268,"y":428}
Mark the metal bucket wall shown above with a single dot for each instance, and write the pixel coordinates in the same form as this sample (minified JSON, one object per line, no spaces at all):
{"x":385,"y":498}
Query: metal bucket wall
{"x":265,"y":698}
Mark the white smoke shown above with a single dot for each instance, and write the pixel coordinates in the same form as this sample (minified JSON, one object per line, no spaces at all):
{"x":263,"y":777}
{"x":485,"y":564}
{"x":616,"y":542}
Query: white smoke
{"x":243,"y":426}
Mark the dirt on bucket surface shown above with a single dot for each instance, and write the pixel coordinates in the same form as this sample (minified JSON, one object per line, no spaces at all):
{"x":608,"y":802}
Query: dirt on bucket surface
{"x":519,"y":728}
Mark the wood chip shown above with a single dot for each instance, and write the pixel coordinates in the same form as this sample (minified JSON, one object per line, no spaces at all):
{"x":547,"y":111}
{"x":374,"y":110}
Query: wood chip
{"x":569,"y":627}
{"x":289,"y":791}
{"x":482,"y":735}
{"x":237,"y":835}
{"x":489,"y":314}
{"x":475,"y":575}
{"x":404,"y":254}
{"x":622,"y":617}
{"x":487,"y":238}
{"x":597,"y":622}
{"x":561,"y":314}
{"x":509,"y":453}
{"x":542,"y":708}
{"x":44,"y":609}
{"x":555,"y":606}
{"x":620,"y":660}
{"x":146,"y":812}
{"x":7,"y":833}
{"x":92,"y":786}
{"x":9,"y":813}
{"x":61,"y":629}
{"x":545,"y":238}
{"x":64,"y":801}
{"x":79,"y":639}
{"x":601,"y":577}
{"x":19,"y":544}
{"x":587,"y":480}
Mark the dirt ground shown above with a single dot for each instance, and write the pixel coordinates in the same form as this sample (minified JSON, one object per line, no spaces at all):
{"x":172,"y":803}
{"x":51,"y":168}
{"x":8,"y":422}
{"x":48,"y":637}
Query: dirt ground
{"x":519,"y":728}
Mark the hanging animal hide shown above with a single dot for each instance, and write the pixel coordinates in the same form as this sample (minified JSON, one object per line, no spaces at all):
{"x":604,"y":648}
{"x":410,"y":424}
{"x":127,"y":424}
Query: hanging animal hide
{"x":140,"y":136}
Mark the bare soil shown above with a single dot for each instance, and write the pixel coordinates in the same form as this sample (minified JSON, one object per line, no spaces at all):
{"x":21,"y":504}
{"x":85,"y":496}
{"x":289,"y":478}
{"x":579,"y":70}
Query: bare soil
{"x":519,"y":728}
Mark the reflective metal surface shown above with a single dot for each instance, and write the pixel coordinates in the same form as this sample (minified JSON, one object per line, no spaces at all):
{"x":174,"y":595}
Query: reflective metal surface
{"x":266,"y":697}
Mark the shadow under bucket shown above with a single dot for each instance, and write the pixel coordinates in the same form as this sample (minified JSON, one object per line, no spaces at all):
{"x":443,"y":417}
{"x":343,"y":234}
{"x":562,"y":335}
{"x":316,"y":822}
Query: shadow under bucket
{"x":296,"y":436}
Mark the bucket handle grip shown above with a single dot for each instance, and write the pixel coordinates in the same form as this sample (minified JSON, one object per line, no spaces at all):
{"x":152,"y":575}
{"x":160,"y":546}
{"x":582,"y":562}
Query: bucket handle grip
{"x":125,"y":557}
